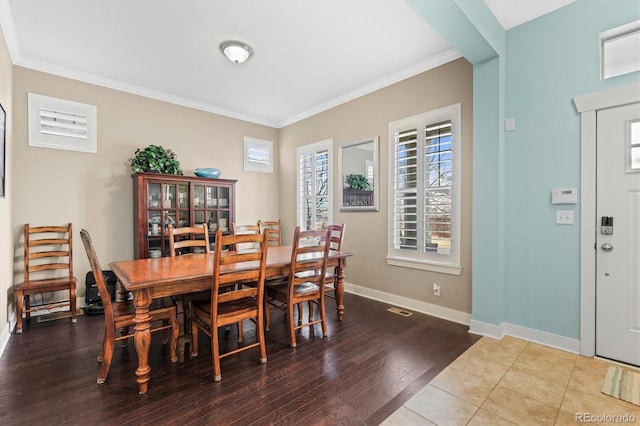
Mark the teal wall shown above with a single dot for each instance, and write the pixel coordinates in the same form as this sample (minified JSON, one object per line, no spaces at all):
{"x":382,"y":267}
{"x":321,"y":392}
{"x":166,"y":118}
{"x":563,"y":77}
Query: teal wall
{"x":526,"y":268}
{"x":549,"y":61}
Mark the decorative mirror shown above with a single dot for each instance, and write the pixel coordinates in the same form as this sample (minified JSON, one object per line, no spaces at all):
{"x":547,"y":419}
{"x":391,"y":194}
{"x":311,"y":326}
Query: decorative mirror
{"x":358,"y":165}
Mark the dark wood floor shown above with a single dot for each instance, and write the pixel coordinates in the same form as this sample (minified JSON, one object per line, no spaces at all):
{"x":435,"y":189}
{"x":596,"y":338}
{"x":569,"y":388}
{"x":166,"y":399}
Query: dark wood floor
{"x":371,"y":364}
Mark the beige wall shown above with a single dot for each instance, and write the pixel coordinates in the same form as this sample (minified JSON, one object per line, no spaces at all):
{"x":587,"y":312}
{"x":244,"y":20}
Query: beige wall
{"x":366,"y":234}
{"x":94,"y":191}
{"x":6,"y":241}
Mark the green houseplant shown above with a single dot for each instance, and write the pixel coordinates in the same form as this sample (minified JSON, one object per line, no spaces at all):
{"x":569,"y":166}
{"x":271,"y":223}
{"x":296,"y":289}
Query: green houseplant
{"x":358,"y":182}
{"x":156,"y":159}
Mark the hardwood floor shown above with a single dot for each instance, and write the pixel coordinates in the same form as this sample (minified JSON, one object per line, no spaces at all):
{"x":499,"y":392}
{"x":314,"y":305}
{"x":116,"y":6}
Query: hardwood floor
{"x":372,"y":363}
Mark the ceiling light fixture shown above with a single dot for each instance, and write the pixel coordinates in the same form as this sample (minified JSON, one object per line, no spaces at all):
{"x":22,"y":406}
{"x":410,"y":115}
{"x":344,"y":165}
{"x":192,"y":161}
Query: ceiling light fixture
{"x":236,"y":51}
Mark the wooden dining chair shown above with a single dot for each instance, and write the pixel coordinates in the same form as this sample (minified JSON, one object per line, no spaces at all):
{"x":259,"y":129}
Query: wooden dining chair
{"x":119,"y":316}
{"x":336,"y":236}
{"x":188,"y":240}
{"x":48,"y":250}
{"x":305,"y":283}
{"x":236,"y":304}
{"x":237,"y":229}
{"x":275,"y":231}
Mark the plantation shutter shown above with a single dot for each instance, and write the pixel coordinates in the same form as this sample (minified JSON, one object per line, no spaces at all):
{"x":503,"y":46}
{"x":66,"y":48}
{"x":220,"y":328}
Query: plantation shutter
{"x":313,"y":189}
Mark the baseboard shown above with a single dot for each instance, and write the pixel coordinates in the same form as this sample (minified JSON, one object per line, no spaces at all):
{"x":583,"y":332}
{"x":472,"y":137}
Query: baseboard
{"x":566,"y":344}
{"x":411,"y":304}
{"x":5,"y":334}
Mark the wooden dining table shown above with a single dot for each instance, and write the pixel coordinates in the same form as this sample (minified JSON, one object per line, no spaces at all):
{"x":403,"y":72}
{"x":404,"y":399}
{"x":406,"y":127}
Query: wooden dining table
{"x":149,"y":279}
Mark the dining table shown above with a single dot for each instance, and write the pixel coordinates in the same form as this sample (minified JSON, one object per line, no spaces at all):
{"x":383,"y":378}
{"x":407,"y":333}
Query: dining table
{"x":148,"y":279}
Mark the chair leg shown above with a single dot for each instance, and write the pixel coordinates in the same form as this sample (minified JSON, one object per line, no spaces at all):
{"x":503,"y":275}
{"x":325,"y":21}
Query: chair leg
{"x":27,"y":307}
{"x":175,"y":332}
{"x":260,"y":332}
{"x":72,"y":300}
{"x":310,"y":304}
{"x":215,"y":354}
{"x":267,"y":310}
{"x":323,"y":316}
{"x":164,"y":335}
{"x":104,"y":342}
{"x":106,"y":362}
{"x":194,"y":338}
{"x":19,"y":309}
{"x":299,"y":313}
{"x":292,"y":331}
{"x":240,"y":333}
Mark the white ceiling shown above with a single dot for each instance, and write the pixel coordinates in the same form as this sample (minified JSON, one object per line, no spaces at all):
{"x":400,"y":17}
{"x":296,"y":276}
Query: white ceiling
{"x":308,"y":55}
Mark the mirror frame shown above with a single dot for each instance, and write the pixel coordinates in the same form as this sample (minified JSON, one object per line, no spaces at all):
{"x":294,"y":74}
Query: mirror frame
{"x":374,"y":206}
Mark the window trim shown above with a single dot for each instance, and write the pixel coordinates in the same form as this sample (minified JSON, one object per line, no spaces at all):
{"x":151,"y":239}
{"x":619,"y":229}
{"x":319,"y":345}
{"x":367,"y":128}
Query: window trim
{"x":448,"y":264}
{"x":323,"y":145}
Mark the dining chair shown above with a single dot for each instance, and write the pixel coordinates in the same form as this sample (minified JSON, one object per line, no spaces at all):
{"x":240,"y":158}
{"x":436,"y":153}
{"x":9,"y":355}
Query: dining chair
{"x":275,"y":231}
{"x":336,"y":236}
{"x":305,"y":282}
{"x":188,"y":239}
{"x":48,"y":251}
{"x":119,"y":316}
{"x":236,"y":304}
{"x":237,"y":229}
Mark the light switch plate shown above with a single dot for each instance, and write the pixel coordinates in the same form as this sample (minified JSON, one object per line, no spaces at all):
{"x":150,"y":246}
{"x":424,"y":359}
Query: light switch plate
{"x":564,"y":217}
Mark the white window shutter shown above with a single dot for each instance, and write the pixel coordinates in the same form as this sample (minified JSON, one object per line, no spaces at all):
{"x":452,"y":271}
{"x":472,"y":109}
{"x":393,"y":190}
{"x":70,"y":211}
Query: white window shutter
{"x":61,"y":124}
{"x":258,"y":155}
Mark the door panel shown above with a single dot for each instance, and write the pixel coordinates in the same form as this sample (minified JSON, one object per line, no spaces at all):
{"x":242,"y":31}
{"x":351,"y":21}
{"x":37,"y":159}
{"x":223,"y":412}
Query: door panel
{"x":618,"y":245}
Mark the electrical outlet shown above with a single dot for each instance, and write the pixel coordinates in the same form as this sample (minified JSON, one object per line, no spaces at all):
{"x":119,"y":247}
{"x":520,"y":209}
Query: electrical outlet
{"x":436,"y":289}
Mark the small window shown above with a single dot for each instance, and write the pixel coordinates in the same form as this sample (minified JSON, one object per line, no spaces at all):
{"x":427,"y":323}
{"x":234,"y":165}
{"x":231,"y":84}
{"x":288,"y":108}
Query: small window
{"x":61,"y":124}
{"x":620,"y":50}
{"x":258,"y":155}
{"x":315,"y":205}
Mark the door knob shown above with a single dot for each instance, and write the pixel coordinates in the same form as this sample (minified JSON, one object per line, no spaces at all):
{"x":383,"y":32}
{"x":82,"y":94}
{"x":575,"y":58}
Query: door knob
{"x":606,"y":247}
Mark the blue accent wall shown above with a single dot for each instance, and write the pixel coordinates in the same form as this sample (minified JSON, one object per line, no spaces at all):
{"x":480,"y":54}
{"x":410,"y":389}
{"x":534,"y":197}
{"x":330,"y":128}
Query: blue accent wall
{"x":526,"y":268}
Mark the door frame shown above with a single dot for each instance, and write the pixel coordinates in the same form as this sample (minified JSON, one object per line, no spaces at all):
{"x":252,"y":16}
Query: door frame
{"x":588,"y":105}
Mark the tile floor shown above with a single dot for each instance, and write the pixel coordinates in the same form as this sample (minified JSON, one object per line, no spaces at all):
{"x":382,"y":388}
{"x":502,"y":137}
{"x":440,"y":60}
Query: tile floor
{"x":512,"y":381}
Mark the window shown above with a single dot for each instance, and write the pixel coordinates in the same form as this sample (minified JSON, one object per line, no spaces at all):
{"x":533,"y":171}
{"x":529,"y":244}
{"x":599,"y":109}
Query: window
{"x":314,"y":185}
{"x":60,"y":124}
{"x":424,"y":191}
{"x":620,"y":50}
{"x":258,"y":155}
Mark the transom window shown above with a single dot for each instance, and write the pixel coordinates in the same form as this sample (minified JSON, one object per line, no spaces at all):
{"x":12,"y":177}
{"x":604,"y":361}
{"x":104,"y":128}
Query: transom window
{"x":424,"y":191}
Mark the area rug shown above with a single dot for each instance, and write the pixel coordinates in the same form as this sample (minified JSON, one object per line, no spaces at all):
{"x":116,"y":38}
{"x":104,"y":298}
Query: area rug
{"x":622,"y":384}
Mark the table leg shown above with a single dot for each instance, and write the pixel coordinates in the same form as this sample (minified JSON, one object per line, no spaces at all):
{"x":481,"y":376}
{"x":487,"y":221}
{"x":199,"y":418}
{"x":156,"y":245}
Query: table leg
{"x":142,"y":337}
{"x":340,"y":290}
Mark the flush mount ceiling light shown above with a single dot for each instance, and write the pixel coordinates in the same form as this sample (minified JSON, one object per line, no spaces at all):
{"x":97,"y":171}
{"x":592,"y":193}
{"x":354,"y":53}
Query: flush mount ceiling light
{"x":236,"y":51}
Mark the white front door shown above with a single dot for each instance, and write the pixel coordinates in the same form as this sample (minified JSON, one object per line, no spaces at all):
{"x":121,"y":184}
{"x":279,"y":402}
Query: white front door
{"x":618,"y":234}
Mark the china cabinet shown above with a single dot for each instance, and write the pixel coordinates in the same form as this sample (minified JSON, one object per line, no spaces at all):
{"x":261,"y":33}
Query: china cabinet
{"x":162,"y":200}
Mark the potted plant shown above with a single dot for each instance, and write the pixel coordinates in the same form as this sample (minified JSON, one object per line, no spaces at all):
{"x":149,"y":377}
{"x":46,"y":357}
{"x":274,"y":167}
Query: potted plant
{"x":357,"y":182}
{"x":155,"y":159}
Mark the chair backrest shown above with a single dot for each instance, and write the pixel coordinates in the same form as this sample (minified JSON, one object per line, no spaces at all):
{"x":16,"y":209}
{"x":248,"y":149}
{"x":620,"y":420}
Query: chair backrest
{"x":48,"y":248}
{"x":188,"y":237}
{"x":308,"y":258}
{"x":275,"y":231}
{"x":242,"y":266}
{"x":105,"y":296}
{"x":245,"y":230}
{"x":336,"y":236}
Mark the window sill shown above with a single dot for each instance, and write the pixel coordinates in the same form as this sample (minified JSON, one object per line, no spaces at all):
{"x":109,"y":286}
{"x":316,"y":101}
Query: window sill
{"x":425,"y":266}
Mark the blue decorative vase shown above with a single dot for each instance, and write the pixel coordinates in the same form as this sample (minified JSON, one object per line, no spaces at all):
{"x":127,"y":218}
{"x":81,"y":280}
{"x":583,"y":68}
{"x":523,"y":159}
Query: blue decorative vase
{"x":208,"y":172}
